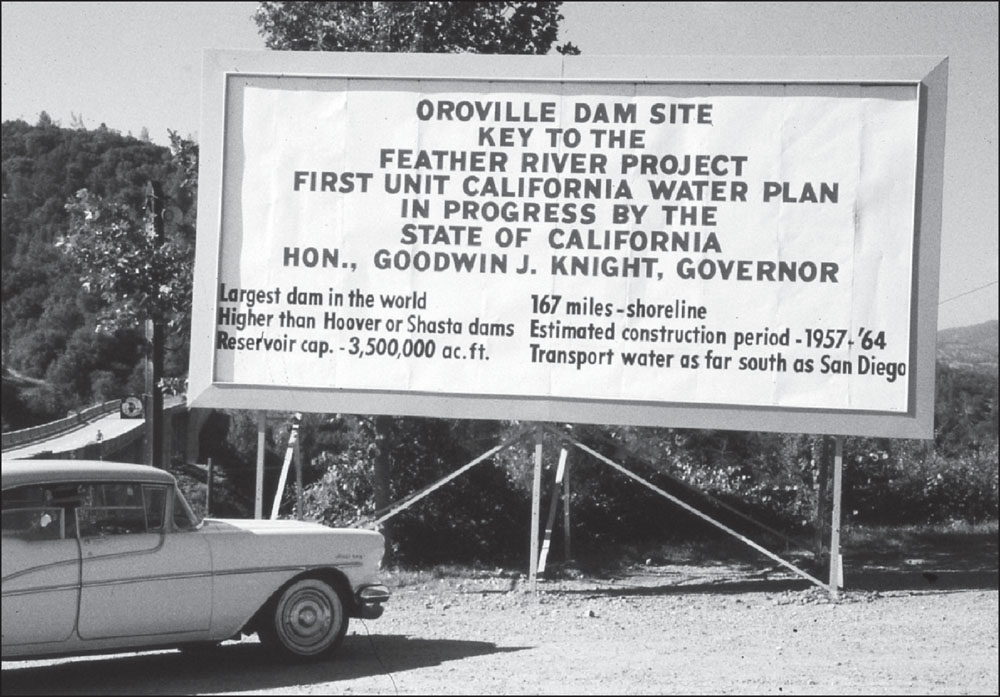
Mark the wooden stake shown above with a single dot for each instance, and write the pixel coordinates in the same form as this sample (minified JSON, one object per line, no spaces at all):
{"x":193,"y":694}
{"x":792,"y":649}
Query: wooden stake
{"x":298,"y":481}
{"x":293,"y":439}
{"x":553,"y":504}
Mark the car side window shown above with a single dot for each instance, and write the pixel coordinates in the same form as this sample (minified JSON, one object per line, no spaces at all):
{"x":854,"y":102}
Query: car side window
{"x":121,"y":509}
{"x":155,"y":503}
{"x":29,"y":513}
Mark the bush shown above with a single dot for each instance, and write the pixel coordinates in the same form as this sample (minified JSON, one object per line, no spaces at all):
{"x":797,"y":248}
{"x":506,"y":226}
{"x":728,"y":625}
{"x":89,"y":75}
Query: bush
{"x":479,"y":515}
{"x":905,"y":482}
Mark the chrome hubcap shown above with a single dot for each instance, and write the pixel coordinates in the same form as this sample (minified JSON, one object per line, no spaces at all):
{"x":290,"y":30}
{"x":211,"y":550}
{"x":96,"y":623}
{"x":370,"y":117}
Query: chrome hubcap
{"x":308,"y":619}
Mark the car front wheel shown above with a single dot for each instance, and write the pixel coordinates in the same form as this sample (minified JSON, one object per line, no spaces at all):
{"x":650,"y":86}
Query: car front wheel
{"x":307,"y":621}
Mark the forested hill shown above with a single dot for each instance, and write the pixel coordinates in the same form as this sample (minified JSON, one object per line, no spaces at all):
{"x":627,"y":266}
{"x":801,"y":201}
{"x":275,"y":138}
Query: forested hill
{"x":48,"y":319}
{"x":974,"y":347}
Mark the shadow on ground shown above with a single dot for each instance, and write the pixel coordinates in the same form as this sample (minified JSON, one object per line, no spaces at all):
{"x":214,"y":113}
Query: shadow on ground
{"x":882,"y":580}
{"x":894,"y":560}
{"x":238,"y":667}
{"x":923,"y":560}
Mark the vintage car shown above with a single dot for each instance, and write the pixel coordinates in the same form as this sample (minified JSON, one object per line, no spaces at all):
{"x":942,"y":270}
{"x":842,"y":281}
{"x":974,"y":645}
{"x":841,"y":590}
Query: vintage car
{"x":101,"y":557}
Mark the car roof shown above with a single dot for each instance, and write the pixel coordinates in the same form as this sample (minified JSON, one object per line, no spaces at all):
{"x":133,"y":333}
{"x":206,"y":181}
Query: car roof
{"x":24,"y":472}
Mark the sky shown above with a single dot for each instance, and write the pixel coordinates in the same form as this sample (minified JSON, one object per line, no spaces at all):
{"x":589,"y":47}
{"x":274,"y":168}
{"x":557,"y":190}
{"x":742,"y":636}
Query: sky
{"x":137,"y":65}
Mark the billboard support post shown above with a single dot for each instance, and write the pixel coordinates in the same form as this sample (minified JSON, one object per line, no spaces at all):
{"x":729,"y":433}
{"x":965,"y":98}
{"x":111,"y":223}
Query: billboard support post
{"x":553,"y":506}
{"x":258,"y":504}
{"x":536,"y":504}
{"x":836,"y":562}
{"x":567,"y":553}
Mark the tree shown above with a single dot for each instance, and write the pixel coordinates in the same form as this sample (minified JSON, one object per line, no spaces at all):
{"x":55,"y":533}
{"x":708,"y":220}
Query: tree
{"x":411,"y":27}
{"x":121,"y":260}
{"x":142,"y":275}
{"x":114,"y":246}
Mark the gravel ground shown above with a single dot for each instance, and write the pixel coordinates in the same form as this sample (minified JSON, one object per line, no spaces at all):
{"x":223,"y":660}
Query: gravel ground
{"x":647,"y":629}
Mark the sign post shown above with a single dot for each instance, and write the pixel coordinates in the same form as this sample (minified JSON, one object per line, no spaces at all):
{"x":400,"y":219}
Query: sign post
{"x":258,"y":503}
{"x":567,"y":550}
{"x":836,"y":562}
{"x":536,"y":506}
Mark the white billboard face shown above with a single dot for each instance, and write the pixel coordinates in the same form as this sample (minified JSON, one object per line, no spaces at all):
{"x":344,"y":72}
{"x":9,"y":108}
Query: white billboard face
{"x":565,"y":249}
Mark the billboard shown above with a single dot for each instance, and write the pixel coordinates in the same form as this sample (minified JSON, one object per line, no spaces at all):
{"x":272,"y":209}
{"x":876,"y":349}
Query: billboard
{"x":719,"y":243}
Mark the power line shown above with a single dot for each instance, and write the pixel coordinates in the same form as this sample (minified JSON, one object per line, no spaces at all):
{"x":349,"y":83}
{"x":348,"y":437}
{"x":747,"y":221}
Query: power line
{"x":962,"y":295}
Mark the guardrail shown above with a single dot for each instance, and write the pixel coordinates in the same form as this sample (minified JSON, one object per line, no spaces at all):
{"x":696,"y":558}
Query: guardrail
{"x":13,"y":439}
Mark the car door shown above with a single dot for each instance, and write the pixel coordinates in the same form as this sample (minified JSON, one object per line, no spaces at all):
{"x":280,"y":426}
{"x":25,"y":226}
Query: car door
{"x":41,"y":567}
{"x":141,"y":576}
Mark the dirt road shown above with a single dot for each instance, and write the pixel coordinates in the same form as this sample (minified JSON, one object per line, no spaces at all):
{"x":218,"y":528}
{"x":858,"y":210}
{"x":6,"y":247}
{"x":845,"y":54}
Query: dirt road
{"x":672,"y":629}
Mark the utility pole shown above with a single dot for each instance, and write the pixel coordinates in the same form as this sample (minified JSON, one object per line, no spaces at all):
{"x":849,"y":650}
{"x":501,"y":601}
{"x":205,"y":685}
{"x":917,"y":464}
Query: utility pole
{"x":153,"y":399}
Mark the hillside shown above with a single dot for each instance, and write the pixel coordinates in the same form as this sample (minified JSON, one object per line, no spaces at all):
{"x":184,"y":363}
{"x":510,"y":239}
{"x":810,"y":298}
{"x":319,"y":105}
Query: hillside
{"x":974,"y":347}
{"x":49,"y":317}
